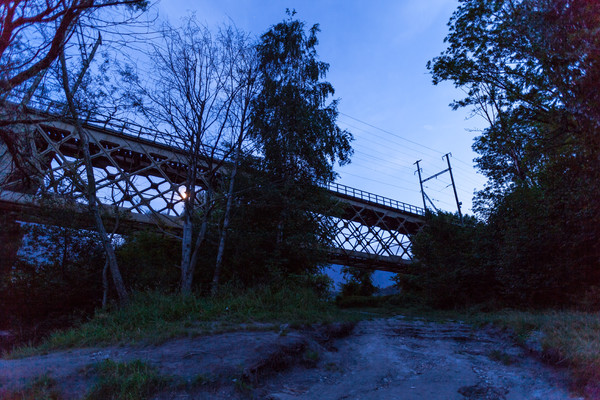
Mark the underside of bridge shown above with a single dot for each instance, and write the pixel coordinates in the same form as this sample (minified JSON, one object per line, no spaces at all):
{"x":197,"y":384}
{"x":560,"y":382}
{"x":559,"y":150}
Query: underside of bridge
{"x":138,"y":175}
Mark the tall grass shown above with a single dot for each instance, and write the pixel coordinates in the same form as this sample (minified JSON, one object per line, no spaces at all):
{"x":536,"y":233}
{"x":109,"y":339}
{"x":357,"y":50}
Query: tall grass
{"x":157,"y":316}
{"x":42,"y":388}
{"x":132,"y":381}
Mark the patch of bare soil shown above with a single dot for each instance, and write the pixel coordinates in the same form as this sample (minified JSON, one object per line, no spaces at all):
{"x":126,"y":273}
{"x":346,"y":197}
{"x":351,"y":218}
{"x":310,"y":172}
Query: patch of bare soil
{"x":380,"y":359}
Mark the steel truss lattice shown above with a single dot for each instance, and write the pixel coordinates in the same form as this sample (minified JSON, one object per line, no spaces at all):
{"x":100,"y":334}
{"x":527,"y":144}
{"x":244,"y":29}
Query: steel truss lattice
{"x":143,"y":177}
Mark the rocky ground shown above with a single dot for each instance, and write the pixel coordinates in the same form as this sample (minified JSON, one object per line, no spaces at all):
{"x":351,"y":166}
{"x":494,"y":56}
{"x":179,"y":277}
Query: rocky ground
{"x":391,"y":358}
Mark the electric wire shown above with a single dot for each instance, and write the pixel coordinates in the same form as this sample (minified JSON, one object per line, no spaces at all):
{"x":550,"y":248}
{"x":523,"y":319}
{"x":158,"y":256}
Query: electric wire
{"x":405,"y":139}
{"x":383,"y":158}
{"x":382,"y":182}
{"x":464,"y":174}
{"x":374,"y":144}
{"x":385,"y":163}
{"x":386,"y":173}
{"x":390,"y":133}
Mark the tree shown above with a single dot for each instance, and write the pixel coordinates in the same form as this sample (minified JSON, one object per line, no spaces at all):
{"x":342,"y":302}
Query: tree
{"x":81,"y":88}
{"x":34,"y":32}
{"x":200,"y":94}
{"x":359,"y":282}
{"x":530,"y":68}
{"x":293,"y":123}
{"x":454,"y":263}
{"x":88,"y":186}
{"x":295,"y":129}
{"x":244,"y":80}
{"x":55,"y":279}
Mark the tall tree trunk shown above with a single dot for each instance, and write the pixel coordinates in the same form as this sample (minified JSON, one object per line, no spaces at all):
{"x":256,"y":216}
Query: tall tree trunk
{"x":201,"y":236}
{"x":185,"y":284}
{"x":217,"y":274}
{"x":105,"y":284}
{"x":190,"y":253}
{"x":91,"y":188}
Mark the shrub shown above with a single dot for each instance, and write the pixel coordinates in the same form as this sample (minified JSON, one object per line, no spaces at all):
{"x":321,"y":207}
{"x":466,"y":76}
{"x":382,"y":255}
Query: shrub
{"x":149,"y":261}
{"x":359,"y":301}
{"x":452,"y":269}
{"x":359,"y":282}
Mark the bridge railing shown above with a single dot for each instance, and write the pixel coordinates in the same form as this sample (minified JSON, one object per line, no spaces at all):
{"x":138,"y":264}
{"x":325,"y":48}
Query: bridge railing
{"x":119,"y":126}
{"x":373,"y":198}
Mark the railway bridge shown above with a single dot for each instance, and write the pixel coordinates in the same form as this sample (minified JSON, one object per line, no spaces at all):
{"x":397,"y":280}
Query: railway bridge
{"x":142,"y":170}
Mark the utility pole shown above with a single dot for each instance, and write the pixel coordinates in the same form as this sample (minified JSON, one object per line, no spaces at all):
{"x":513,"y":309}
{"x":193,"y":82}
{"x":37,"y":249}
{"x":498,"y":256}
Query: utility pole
{"x":458,"y":203}
{"x":422,"y":181}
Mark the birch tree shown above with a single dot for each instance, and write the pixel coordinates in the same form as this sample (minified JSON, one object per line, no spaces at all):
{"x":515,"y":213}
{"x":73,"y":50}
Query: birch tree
{"x":195,"y":95}
{"x":244,"y":86}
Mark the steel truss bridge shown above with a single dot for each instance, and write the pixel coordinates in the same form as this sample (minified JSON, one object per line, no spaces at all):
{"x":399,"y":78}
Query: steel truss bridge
{"x":142,"y":170}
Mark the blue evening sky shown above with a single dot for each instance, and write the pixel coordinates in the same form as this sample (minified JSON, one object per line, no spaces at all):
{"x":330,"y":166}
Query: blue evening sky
{"x":377,"y":51}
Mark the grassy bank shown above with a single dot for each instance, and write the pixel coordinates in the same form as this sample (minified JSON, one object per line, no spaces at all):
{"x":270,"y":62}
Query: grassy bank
{"x":134,"y":380}
{"x":155,"y":317}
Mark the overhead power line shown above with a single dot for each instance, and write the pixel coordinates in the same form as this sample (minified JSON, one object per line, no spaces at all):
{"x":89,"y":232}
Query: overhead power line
{"x":378,"y":181}
{"x":392,"y":133}
{"x":400,"y":137}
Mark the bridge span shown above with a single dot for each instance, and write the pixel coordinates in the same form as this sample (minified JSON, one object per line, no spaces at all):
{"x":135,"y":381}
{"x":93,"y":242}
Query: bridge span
{"x":142,"y":170}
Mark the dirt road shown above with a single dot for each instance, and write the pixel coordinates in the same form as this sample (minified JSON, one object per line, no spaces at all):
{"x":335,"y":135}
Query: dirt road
{"x":380,"y":359}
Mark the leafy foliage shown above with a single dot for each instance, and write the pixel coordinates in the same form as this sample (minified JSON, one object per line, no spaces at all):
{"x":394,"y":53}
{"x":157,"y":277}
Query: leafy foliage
{"x":293,"y":123}
{"x":451,"y":270}
{"x":274,"y":231}
{"x":149,"y":261}
{"x":359,"y":282}
{"x":55,"y":280}
{"x":530,"y":68}
{"x":276,"y":224}
{"x":10,"y":241}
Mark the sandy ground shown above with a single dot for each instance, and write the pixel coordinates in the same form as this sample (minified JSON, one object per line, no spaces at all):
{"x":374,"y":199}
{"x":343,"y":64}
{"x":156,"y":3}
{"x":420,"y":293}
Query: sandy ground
{"x":390,"y":358}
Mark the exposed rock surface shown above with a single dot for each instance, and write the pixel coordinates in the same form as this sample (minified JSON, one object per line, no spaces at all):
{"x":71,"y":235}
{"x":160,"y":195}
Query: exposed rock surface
{"x":381,"y":359}
{"x":398,"y":359}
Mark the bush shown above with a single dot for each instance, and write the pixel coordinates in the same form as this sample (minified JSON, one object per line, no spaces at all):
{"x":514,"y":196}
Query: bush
{"x":56,"y":281}
{"x":358,"y":301}
{"x":543,"y":256}
{"x":452,"y":269}
{"x":321,"y":284}
{"x":149,"y":261}
{"x":359,"y":282}
{"x":522,"y":256}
